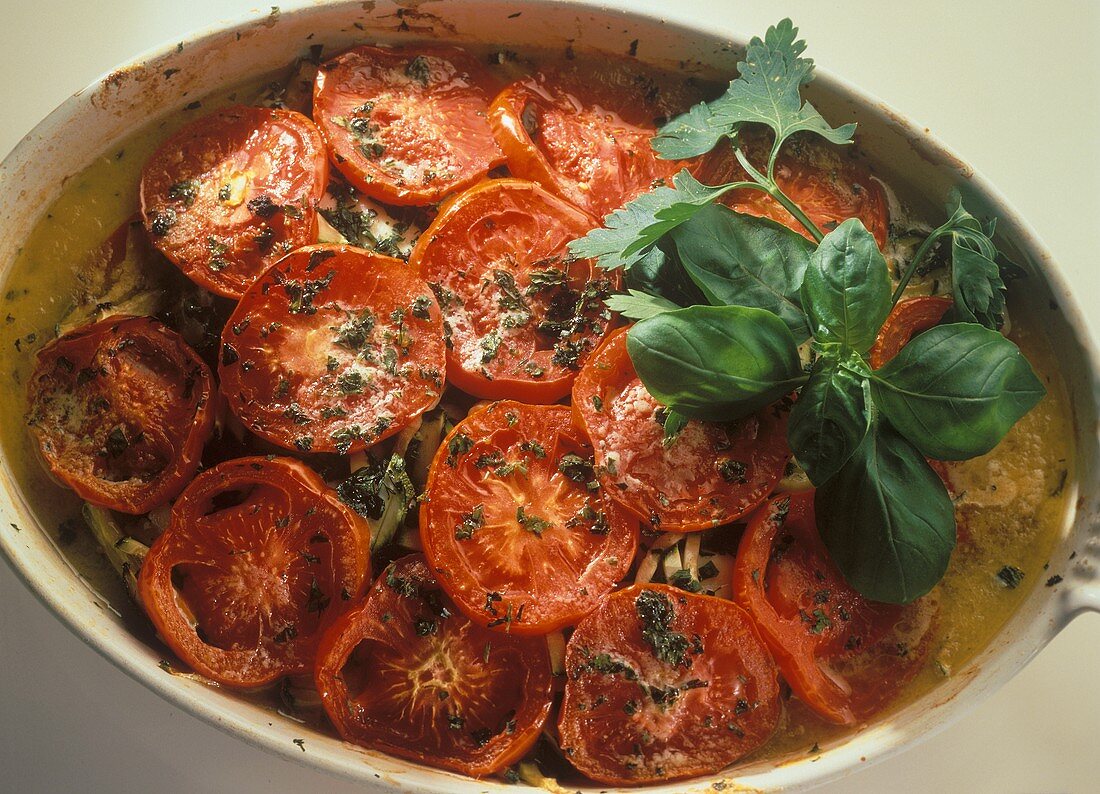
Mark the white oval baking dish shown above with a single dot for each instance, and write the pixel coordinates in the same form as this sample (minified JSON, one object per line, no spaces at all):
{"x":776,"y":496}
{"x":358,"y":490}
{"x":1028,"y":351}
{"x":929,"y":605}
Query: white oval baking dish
{"x":93,"y":120}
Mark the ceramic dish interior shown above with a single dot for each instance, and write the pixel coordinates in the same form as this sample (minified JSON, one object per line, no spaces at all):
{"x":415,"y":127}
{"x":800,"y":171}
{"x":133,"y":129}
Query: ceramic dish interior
{"x":923,"y":171}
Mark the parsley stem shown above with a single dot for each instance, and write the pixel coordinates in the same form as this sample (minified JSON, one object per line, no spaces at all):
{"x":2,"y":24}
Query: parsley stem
{"x":769,"y":186}
{"x":922,"y":251}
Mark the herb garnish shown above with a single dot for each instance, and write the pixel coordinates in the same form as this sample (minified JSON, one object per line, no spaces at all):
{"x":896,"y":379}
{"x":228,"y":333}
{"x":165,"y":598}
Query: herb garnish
{"x":382,"y":493}
{"x":862,"y":435}
{"x":655,"y":612}
{"x":419,"y":69}
{"x":470,"y":523}
{"x":532,"y":524}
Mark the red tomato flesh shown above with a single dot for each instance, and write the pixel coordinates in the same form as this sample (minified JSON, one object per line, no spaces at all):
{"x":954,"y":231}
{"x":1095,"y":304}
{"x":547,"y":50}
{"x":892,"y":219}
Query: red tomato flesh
{"x":663,"y":684}
{"x":907,"y":319}
{"x":846,"y":657}
{"x":232,"y":192}
{"x":581,"y":138}
{"x":710,"y":474}
{"x":121,"y":410}
{"x":520,"y":316}
{"x":334,"y":349}
{"x":407,"y":126}
{"x":259,"y":557}
{"x":405,"y":674}
{"x":830,"y":187}
{"x":516,"y":527}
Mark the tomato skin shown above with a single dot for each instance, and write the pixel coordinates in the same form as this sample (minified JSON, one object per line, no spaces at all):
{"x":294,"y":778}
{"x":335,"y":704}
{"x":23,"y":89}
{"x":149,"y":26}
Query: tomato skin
{"x":242,"y":569}
{"x":479,"y":256}
{"x":631,"y":717}
{"x":467,"y":679}
{"x":123,"y":375}
{"x":523,"y":579}
{"x":907,"y":319}
{"x":838,"y":651}
{"x":334,"y":349}
{"x":231,"y":192}
{"x":830,"y":187}
{"x":572,"y":137}
{"x":712,"y":473}
{"x":422,"y":109}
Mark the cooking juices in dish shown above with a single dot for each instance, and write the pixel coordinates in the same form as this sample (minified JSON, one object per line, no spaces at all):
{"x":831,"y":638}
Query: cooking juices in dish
{"x":264,"y":380}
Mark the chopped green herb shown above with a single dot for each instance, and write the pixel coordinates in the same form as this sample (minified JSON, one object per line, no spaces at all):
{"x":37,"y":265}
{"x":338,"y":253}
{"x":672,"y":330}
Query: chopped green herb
{"x":470,"y":523}
{"x":656,"y":613}
{"x":531,"y":523}
{"x":1010,"y":576}
{"x":184,"y":192}
{"x":419,"y":69}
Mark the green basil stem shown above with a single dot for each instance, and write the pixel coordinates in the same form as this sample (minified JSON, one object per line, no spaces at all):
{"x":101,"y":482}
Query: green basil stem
{"x":922,"y":251}
{"x":769,"y":186}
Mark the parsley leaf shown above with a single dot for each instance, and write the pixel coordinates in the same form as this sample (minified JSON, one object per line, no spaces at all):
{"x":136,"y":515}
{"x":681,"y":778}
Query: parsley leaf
{"x":765,"y":92}
{"x":631,"y":232}
{"x":637,"y":305}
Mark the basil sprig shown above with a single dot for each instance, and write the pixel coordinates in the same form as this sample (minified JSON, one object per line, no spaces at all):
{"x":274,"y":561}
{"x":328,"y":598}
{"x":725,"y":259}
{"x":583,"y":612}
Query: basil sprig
{"x":978,"y":287}
{"x":861,"y":435}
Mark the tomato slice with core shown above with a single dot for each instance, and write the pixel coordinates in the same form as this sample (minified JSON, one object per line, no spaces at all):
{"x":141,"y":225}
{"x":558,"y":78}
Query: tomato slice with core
{"x":332,"y":350}
{"x":581,"y":138}
{"x":232,"y":192}
{"x":516,"y":526}
{"x":121,"y":410}
{"x":907,"y":319}
{"x":405,"y":673}
{"x":829,"y":186}
{"x":519,"y":314}
{"x":407,"y":126}
{"x":846,"y":657}
{"x":259,"y":557}
{"x":710,"y":474}
{"x":663,"y":684}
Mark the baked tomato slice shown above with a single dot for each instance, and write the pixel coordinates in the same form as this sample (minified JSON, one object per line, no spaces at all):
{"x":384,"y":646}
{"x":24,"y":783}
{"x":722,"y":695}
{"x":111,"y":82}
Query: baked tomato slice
{"x":259,"y":557}
{"x":663,"y":684}
{"x":120,"y":410}
{"x":232,"y":192}
{"x":709,"y":474}
{"x":516,"y":526}
{"x":582,"y":137}
{"x":844,"y":656}
{"x":332,"y":350}
{"x":407,"y":126}
{"x":520,"y":316}
{"x":827,"y":183}
{"x":407,"y":674}
{"x":907,"y":319}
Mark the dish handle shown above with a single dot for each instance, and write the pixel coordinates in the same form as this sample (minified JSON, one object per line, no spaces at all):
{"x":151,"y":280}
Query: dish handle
{"x":1081,"y":593}
{"x":1082,"y":597}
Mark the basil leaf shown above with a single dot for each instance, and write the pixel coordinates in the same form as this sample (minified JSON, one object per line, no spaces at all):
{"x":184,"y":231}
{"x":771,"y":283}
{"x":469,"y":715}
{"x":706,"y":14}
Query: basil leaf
{"x":887,"y":519}
{"x":955,"y":390}
{"x":830,"y":418}
{"x":659,"y":272}
{"x":638,"y":305}
{"x":976,"y":283}
{"x":846,"y":290}
{"x":632,"y":231}
{"x":766,"y":91}
{"x":715,"y":363}
{"x":739,"y":260}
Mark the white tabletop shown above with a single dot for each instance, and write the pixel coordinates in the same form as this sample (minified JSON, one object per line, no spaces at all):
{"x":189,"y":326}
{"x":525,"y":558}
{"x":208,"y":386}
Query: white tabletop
{"x":1014,"y":87}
